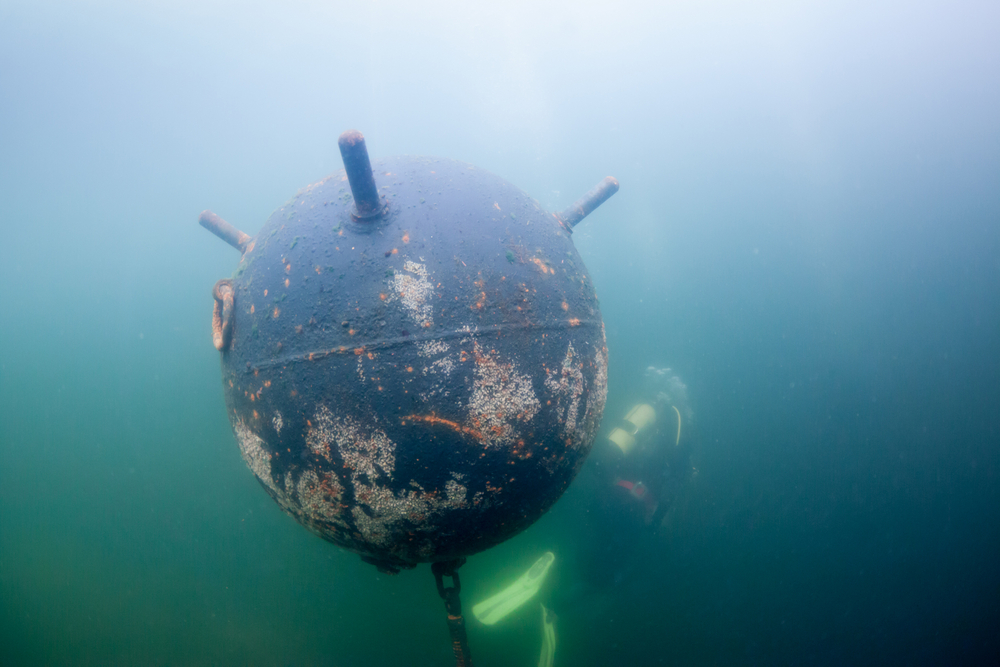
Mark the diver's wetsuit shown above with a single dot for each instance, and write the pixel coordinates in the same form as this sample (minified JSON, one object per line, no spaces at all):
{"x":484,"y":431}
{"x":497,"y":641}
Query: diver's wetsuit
{"x":633,"y":493}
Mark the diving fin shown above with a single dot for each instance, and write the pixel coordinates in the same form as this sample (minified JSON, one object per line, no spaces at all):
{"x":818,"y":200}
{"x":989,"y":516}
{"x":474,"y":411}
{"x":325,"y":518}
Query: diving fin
{"x":548,"y":654}
{"x":503,"y":603}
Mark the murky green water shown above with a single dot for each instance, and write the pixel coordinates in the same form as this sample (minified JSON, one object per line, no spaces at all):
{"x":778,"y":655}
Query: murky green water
{"x":807,"y":231}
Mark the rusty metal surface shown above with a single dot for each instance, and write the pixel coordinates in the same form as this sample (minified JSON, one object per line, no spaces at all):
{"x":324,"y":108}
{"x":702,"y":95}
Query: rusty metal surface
{"x":422,"y":386}
{"x":222,"y":314}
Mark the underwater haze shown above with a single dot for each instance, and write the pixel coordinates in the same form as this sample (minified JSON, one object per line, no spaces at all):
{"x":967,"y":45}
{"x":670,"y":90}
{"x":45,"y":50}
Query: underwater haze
{"x":807,"y":232}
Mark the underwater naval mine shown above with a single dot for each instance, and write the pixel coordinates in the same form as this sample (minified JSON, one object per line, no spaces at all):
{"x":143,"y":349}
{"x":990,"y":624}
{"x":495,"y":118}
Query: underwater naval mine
{"x":413,"y":357}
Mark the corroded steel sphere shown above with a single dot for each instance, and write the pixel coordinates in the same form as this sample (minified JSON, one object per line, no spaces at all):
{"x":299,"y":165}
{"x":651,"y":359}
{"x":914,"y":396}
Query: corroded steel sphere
{"x":416,"y":372}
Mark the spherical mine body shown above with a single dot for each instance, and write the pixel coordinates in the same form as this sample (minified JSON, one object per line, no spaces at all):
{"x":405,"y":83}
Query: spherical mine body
{"x":423,"y":385}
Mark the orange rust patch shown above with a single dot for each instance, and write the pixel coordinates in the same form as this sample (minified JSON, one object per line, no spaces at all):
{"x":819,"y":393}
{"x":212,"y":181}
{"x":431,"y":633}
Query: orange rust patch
{"x":455,"y":426}
{"x":481,"y":301}
{"x":406,"y":236}
{"x":565,"y":306}
{"x":371,"y":356}
{"x":382,"y":296}
{"x":286,"y":282}
{"x":250,"y":247}
{"x":351,"y":332}
{"x":318,"y":270}
{"x":265,"y":292}
{"x":359,"y":351}
{"x":519,"y":450}
{"x":288,"y":267}
{"x":277,"y":311}
{"x":574,"y":321}
{"x":541,"y":266}
{"x":395,"y":251}
{"x":409,"y":369}
{"x":251,"y":309}
{"x":255,"y":415}
{"x":267,"y":383}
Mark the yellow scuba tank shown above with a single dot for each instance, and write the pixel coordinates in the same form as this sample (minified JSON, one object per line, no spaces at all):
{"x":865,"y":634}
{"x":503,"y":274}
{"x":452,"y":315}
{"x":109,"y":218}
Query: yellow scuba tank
{"x":638,"y":418}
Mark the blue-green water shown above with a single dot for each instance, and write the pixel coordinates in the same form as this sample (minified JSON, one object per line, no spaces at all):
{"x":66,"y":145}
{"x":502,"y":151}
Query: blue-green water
{"x":808,"y":231}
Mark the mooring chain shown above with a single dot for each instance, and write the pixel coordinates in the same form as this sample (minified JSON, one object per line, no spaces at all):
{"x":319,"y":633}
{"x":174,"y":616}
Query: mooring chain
{"x":452,"y":603}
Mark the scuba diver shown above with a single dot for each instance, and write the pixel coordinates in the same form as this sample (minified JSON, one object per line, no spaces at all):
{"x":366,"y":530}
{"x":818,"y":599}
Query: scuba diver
{"x":636,"y":473}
